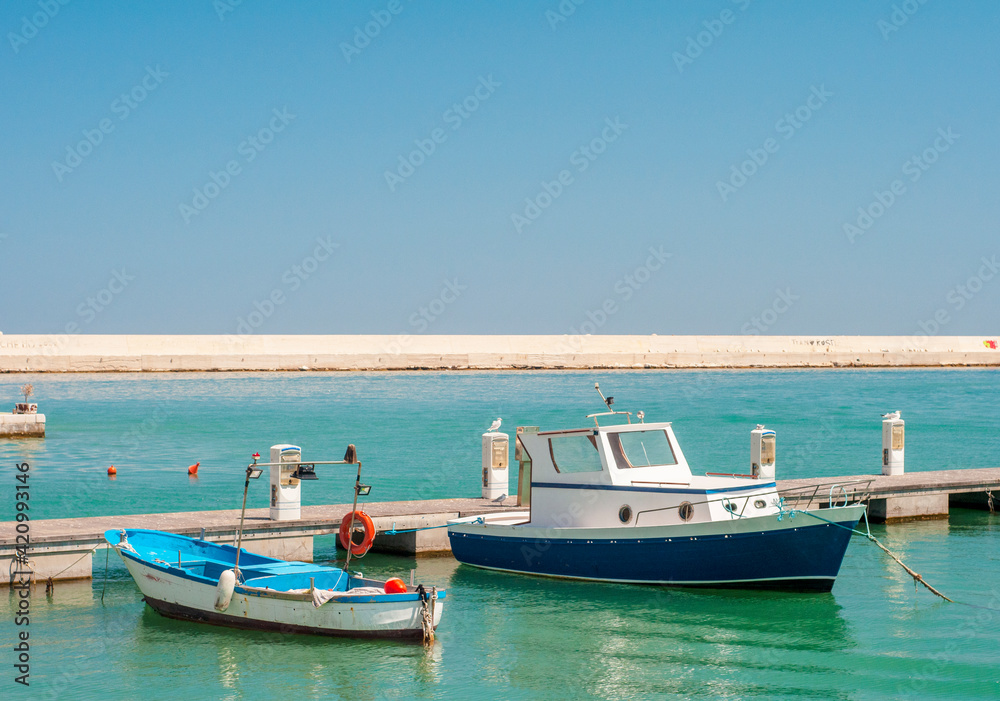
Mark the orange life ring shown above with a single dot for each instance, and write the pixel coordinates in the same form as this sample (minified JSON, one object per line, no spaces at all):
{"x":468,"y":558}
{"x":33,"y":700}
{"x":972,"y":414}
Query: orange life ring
{"x":360,"y":519}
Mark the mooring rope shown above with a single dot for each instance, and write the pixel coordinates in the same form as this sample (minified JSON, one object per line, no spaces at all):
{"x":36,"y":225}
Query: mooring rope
{"x":427,"y":614}
{"x":50,"y":585}
{"x":89,"y":552}
{"x":393,"y":531}
{"x":107,"y":554}
{"x":868,"y":534}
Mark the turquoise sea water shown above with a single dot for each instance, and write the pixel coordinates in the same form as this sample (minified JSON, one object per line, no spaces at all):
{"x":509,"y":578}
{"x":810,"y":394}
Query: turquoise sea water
{"x":509,"y":636}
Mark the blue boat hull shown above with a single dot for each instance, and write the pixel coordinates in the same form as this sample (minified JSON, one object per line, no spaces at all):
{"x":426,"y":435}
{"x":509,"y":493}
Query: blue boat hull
{"x":805,"y":558}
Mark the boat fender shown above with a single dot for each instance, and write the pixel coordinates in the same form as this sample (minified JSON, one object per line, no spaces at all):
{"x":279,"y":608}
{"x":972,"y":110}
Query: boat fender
{"x":395,"y":586}
{"x":360,"y":519}
{"x":224,"y":590}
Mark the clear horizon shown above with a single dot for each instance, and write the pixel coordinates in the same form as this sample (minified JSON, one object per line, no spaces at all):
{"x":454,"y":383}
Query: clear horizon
{"x":390,"y":167}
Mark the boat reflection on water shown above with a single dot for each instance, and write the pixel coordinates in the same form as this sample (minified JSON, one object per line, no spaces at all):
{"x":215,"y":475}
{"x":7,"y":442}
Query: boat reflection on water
{"x":619,"y":639}
{"x":314,"y":666}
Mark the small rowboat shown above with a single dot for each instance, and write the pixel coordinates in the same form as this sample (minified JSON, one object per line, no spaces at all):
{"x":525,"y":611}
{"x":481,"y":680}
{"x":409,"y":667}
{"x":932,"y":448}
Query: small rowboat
{"x":195,"y":580}
{"x":179,"y":578}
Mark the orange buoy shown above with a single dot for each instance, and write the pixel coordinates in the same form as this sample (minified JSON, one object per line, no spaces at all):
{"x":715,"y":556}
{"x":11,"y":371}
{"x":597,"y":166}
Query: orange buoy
{"x":112,"y":470}
{"x":395,"y":586}
{"x":193,"y":469}
{"x":360,"y":519}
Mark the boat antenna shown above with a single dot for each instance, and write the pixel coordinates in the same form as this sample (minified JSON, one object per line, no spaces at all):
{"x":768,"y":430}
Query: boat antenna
{"x":608,"y":401}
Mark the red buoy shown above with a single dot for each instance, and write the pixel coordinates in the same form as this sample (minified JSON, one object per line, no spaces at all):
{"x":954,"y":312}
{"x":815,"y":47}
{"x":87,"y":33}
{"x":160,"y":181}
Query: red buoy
{"x":112,"y":470}
{"x":193,"y":469}
{"x":395,"y":586}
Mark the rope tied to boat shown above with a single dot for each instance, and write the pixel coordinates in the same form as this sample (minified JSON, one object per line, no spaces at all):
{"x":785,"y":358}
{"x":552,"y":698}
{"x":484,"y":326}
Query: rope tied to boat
{"x":427,"y":612}
{"x":50,"y":585}
{"x":393,"y":530}
{"x":107,"y":554}
{"x":868,"y":534}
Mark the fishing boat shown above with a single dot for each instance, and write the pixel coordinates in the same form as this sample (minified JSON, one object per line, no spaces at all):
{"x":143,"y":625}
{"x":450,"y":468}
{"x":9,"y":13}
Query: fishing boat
{"x":619,"y":503}
{"x":196,"y":580}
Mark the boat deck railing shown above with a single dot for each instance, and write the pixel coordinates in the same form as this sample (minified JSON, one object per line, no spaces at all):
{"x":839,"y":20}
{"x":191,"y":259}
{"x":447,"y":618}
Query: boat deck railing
{"x":837,"y":493}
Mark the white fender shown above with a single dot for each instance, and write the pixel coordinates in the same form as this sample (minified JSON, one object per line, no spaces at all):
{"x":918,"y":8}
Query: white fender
{"x":224,"y":590}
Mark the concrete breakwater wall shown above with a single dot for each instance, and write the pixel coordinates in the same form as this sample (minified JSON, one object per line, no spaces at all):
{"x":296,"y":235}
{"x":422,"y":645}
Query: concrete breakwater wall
{"x":132,"y":353}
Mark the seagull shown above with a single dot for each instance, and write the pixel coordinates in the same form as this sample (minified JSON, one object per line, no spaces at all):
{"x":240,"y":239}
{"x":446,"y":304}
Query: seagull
{"x":499,"y":499}
{"x":495,"y":425}
{"x":892,"y":415}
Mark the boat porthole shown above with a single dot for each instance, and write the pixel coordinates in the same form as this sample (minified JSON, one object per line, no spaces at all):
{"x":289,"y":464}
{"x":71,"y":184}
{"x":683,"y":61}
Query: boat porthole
{"x":760,"y":504}
{"x":625,"y":514}
{"x":685,"y":511}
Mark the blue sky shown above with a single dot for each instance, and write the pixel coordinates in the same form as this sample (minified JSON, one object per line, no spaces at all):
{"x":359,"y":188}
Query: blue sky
{"x":518,"y":167}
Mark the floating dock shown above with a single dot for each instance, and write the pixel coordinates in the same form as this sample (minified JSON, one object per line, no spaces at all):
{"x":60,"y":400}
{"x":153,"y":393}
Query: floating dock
{"x":64,"y":548}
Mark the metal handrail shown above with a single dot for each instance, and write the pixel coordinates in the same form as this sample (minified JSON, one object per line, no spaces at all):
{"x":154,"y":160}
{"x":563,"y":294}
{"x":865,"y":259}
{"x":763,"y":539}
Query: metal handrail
{"x":798,"y":494}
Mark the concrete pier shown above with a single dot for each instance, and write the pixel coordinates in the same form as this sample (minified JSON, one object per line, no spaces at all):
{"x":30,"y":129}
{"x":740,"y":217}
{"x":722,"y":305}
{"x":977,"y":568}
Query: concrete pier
{"x":62,"y":548}
{"x":22,"y":425}
{"x":141,"y":353}
{"x":893,"y":498}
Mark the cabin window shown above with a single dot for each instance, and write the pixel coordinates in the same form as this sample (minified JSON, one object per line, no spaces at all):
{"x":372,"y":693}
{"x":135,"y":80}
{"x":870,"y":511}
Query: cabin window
{"x":641,"y":448}
{"x":685,"y":511}
{"x":575,"y":453}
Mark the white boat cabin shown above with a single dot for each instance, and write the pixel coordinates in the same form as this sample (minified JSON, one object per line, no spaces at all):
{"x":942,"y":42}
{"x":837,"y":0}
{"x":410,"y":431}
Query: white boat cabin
{"x":629,"y":475}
